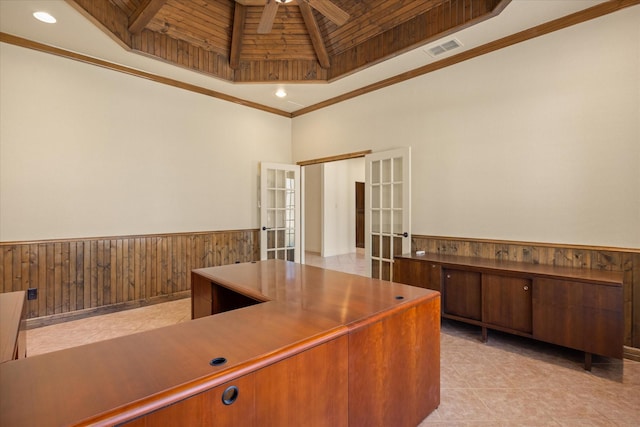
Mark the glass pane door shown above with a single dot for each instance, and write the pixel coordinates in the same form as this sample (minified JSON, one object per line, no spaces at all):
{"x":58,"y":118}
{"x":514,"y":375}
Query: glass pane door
{"x":387,"y":209}
{"x":279,"y":212}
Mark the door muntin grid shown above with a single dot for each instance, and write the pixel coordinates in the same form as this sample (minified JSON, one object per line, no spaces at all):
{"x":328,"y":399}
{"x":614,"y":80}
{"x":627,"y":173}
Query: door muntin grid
{"x":387,"y":215}
{"x":280,"y":214}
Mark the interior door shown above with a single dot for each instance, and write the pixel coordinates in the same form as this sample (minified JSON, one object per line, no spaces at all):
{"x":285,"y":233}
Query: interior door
{"x":280,"y":212}
{"x":387,"y":209}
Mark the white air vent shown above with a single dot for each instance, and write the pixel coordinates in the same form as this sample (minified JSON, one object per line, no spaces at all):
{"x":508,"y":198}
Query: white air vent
{"x":443,"y":47}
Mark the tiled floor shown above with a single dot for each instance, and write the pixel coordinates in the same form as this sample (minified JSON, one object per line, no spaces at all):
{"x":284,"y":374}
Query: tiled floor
{"x":508,"y":381}
{"x":355,"y":263}
{"x":98,"y":328}
{"x":514,"y":381}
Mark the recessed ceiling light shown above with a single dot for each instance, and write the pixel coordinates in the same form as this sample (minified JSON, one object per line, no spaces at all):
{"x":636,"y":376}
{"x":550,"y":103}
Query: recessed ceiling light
{"x":44,"y":17}
{"x":281,"y":93}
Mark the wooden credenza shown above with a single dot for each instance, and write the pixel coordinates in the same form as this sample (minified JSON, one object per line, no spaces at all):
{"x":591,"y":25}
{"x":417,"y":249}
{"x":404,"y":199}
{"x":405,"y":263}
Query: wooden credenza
{"x":576,"y":308}
{"x":278,"y":344}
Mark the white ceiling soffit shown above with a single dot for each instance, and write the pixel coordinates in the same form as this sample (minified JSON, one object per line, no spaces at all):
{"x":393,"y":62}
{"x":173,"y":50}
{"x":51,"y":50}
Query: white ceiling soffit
{"x":75,"y":33}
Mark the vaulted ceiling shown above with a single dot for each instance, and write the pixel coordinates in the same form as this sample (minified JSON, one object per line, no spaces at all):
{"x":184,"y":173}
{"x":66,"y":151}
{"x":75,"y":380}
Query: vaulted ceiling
{"x":264,"y":41}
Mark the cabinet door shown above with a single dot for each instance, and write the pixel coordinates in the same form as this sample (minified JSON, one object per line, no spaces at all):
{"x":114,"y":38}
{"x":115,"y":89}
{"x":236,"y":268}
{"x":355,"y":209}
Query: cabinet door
{"x":557,"y":313}
{"x":423,"y":274}
{"x":208,"y":408}
{"x":462,"y":293}
{"x":506,"y":302}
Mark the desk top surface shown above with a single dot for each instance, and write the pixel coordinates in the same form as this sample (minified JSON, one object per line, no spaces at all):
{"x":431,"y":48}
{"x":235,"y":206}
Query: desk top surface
{"x":115,"y":380}
{"x":345,"y":298}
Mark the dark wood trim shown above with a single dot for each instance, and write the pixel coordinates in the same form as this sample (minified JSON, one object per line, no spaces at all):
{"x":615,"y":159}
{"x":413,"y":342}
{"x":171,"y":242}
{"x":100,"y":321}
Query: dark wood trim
{"x":130,"y":236}
{"x":19,"y":41}
{"x":531,"y":33}
{"x":543,"y":244}
{"x":336,"y":158}
{"x":144,"y":14}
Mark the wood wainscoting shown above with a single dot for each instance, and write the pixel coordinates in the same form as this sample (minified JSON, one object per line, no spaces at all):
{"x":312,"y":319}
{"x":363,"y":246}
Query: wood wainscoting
{"x":588,"y":257}
{"x":80,"y":277}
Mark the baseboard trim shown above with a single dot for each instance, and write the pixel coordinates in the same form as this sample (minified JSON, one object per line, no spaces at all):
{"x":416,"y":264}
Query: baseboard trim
{"x":631,"y":353}
{"x":53,"y":319}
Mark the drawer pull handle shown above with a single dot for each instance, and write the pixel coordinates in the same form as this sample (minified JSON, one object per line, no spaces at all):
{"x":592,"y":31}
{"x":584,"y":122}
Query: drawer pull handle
{"x":448,"y":276}
{"x":229,"y":395}
{"x":526,"y":288}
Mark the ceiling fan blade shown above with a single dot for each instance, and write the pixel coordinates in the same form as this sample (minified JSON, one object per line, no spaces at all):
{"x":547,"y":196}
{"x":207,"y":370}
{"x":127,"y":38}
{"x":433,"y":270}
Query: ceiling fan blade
{"x":268,"y":16}
{"x":330,"y":10}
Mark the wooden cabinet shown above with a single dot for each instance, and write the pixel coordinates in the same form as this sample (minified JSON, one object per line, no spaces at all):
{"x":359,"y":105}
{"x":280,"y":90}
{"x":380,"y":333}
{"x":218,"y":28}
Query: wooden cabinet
{"x":462,"y":294}
{"x":576,"y":308}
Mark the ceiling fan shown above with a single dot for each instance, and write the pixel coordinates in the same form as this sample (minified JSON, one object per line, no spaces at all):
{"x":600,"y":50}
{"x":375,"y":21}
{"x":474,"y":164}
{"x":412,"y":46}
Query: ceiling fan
{"x":325,"y":7}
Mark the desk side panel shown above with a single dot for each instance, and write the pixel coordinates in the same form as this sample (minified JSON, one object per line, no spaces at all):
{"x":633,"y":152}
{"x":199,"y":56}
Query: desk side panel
{"x":394,"y":367}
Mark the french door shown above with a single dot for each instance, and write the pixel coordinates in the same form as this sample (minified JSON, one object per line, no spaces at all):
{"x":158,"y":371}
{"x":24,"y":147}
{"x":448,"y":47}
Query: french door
{"x":280,"y":212}
{"x":387,"y":209}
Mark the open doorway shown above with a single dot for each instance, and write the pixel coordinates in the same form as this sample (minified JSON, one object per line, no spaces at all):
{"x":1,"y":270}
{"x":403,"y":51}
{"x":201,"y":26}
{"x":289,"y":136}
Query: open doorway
{"x":330,"y":216}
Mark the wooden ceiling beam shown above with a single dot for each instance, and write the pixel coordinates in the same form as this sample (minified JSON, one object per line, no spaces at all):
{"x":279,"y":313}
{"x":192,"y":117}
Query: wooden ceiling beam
{"x":144,"y":14}
{"x":237,"y":34}
{"x":314,"y":33}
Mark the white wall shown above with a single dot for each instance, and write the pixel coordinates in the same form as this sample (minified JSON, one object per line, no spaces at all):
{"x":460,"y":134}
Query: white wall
{"x":313,"y":208}
{"x":339,"y":235}
{"x":536,"y":142}
{"x":87,"y":152}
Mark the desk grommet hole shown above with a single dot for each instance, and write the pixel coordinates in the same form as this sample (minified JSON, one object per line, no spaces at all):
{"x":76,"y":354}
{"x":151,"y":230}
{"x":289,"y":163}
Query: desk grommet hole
{"x":218,"y":361}
{"x":399,"y":297}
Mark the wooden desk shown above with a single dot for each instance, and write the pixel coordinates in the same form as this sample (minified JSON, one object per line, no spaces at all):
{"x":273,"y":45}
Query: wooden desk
{"x":323,"y":348}
{"x":13,"y":317}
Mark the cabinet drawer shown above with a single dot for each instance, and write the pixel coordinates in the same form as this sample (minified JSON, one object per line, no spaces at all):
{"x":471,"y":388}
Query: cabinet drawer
{"x":417,"y":273}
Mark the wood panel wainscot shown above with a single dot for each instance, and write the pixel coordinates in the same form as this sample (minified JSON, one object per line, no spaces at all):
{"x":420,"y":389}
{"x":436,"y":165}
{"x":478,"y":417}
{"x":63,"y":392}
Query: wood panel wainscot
{"x":74,"y":278}
{"x":576,"y":308}
{"x":271,"y":343}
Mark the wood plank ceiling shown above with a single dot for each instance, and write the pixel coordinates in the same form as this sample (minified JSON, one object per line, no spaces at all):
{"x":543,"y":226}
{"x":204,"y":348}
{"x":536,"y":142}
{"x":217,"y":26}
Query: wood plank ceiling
{"x":221,"y":38}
